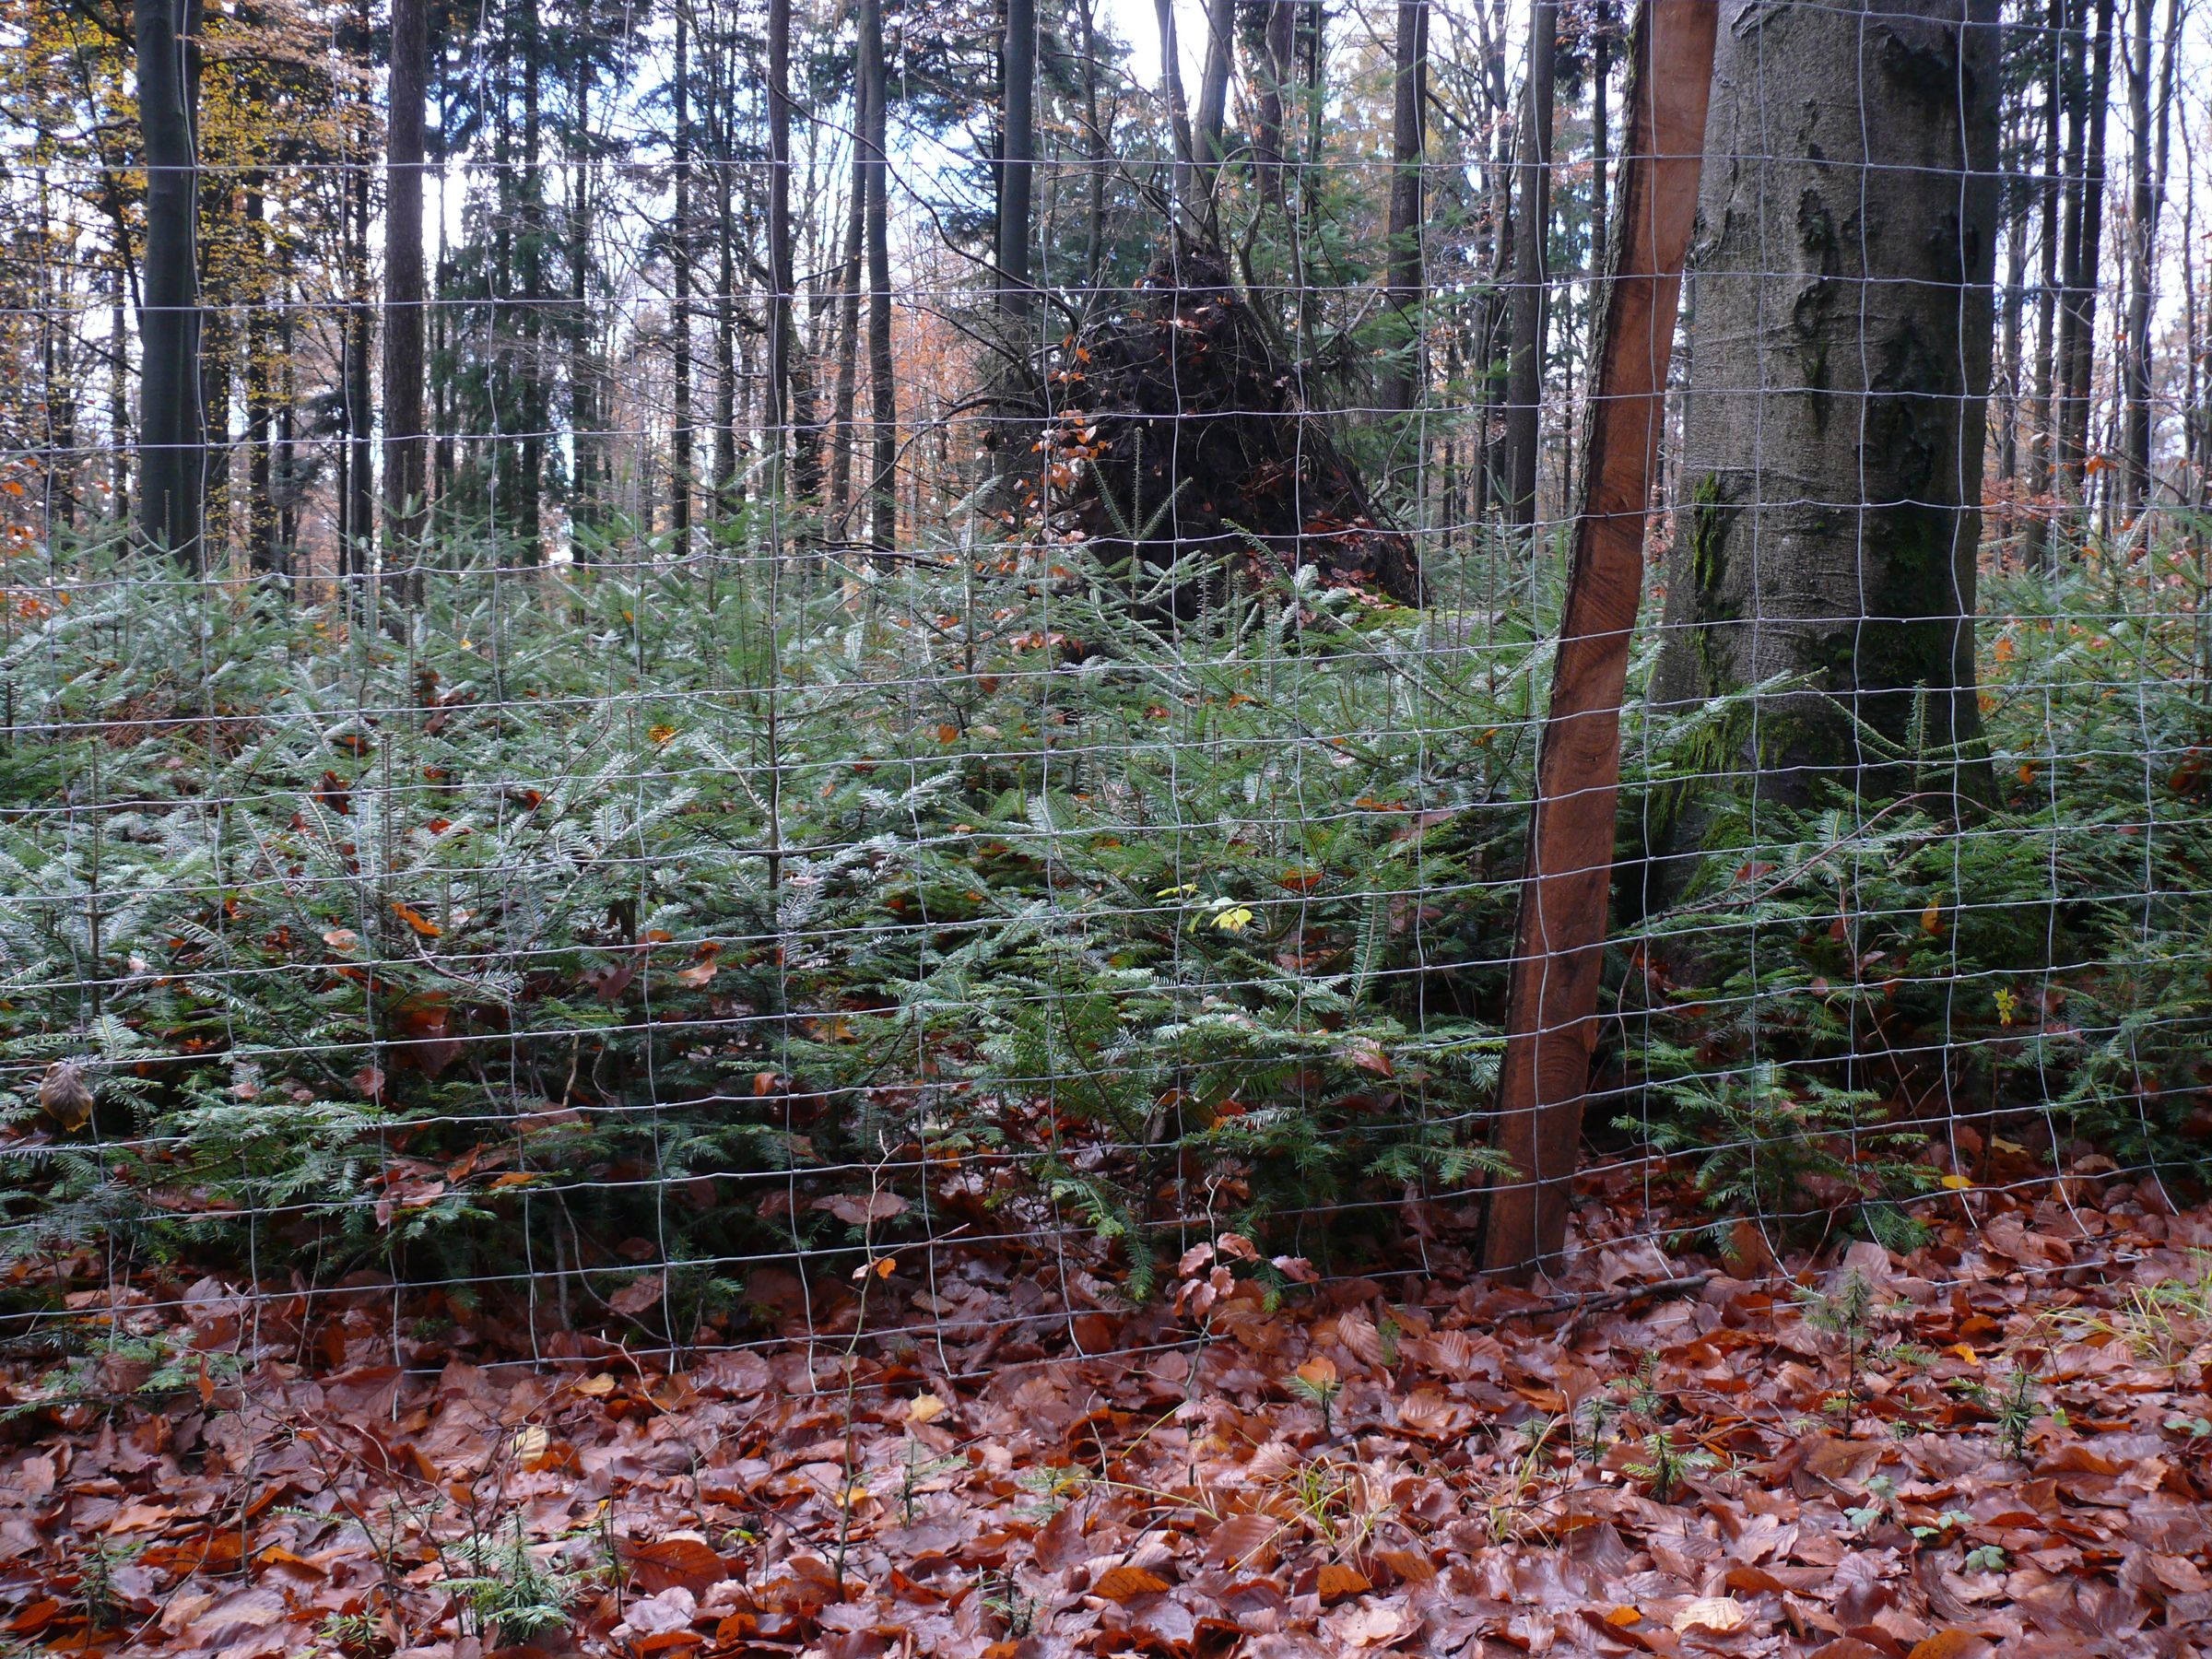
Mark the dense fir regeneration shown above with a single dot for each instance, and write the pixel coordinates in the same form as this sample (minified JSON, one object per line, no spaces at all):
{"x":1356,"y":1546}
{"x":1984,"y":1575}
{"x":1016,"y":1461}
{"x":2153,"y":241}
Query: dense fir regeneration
{"x":824,"y":716}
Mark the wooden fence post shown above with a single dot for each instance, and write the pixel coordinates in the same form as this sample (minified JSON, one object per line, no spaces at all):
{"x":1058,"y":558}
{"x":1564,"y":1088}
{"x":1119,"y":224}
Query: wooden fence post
{"x":1559,"y":938}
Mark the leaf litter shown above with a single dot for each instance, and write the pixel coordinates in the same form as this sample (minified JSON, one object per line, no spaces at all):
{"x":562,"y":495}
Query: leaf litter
{"x":1998,"y":1444}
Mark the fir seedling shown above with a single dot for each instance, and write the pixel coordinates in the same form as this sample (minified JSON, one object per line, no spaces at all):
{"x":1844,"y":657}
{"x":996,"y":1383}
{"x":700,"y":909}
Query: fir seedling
{"x":510,"y":1594}
{"x":2014,"y":1404}
{"x":1845,"y":1312}
{"x":1317,"y":1382}
{"x":1667,"y":1467}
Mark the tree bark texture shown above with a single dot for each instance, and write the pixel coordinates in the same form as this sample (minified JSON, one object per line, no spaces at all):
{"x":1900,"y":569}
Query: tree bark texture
{"x":1840,"y":351}
{"x":172,"y":439}
{"x":1561,"y":929}
{"x":1532,"y":229}
{"x":406,"y":457}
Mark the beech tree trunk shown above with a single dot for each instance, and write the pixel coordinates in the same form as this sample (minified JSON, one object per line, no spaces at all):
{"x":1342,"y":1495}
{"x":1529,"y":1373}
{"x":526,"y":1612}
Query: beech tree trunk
{"x":1399,"y":384}
{"x":679,"y":305}
{"x":407,"y":468}
{"x":1532,"y":228}
{"x":1840,"y":363}
{"x":782,"y":330}
{"x":172,"y":439}
{"x":2084,"y":253}
{"x":875,"y":205}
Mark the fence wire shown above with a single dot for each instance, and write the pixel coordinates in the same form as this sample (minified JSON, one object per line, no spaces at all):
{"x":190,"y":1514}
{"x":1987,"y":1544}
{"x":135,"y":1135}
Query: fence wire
{"x":1033,"y":777}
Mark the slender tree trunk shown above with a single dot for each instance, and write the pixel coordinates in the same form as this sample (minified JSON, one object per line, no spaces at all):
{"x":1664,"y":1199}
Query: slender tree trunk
{"x":1524,"y":392}
{"x":2044,"y":449}
{"x":1267,"y":133}
{"x":359,"y":516}
{"x":842,"y":442}
{"x":118,"y":402}
{"x":2008,"y":373}
{"x":2192,"y":342}
{"x":1017,"y":168}
{"x":260,"y":399}
{"x":1018,"y":156}
{"x":1832,"y":517}
{"x":1601,"y":154}
{"x":2145,"y":198}
{"x":679,"y":304}
{"x":1213,"y":90}
{"x":585,"y":482}
{"x":2078,"y":343}
{"x":536,"y":404}
{"x":1399,"y":382}
{"x":726,"y":489}
{"x":1096,"y":152}
{"x":1178,"y":120}
{"x":288,"y":436}
{"x":783,"y":331}
{"x":406,"y":460}
{"x":172,"y":439}
{"x":883,"y":474}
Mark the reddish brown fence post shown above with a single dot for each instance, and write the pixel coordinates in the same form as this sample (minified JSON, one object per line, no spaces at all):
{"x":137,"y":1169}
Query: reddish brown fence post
{"x":1552,"y":1012}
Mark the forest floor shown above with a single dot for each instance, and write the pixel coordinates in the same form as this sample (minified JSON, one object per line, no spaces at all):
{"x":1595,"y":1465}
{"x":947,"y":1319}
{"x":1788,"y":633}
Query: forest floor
{"x":2001,"y":1443}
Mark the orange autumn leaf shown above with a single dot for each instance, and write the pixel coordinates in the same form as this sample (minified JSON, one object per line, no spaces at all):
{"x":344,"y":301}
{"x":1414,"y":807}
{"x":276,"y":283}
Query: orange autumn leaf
{"x":417,"y":919}
{"x":1125,"y":1584}
{"x":1336,"y":1580}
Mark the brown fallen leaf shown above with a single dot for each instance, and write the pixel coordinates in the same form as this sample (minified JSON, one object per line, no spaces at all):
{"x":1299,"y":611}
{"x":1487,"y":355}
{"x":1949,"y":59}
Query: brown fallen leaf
{"x":1125,"y":1584}
{"x":1949,"y":1643}
{"x":679,"y":1560}
{"x":1719,"y":1613}
{"x":1336,"y":1580}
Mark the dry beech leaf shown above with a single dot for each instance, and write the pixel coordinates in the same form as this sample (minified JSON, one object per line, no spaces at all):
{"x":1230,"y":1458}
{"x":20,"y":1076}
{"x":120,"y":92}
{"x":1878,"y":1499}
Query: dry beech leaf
{"x":860,"y":1211}
{"x":1127,"y":1583}
{"x":1408,"y":1564}
{"x":1719,"y":1613}
{"x":680,"y":1560}
{"x":1358,"y":1333}
{"x":922,"y":1407}
{"x":1245,"y":1542}
{"x":1336,"y":1580}
{"x":638,"y":1295}
{"x":1948,"y":1644}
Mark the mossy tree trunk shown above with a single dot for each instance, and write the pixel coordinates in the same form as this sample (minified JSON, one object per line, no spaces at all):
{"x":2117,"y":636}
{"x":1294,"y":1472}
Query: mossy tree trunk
{"x":1841,"y":352}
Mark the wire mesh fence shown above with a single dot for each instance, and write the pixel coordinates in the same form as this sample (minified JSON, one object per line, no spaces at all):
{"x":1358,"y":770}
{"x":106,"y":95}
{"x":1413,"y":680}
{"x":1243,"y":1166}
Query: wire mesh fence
{"x":854,"y":717}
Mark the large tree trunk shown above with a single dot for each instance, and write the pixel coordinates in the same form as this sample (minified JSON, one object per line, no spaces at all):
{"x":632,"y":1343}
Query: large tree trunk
{"x":172,"y":439}
{"x":1524,"y":389}
{"x":1841,"y":361}
{"x":407,"y":468}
